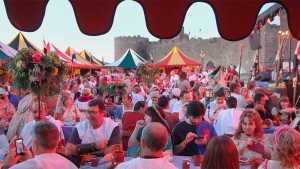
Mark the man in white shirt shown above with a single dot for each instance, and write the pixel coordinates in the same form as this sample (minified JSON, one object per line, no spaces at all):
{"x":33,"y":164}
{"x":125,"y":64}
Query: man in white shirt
{"x":179,"y":106}
{"x":235,"y":92}
{"x":174,"y":77}
{"x":42,"y":116}
{"x":228,"y":120}
{"x":96,"y":134}
{"x":154,"y":140}
{"x":45,"y":137}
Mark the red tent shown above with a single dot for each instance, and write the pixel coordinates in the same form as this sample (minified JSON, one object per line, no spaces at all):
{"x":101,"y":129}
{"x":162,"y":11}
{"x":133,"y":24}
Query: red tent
{"x":176,"y":58}
{"x":164,"y":18}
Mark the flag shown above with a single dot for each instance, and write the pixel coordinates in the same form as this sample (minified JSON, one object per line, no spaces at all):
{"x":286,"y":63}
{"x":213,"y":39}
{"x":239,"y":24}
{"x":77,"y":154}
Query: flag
{"x":45,"y":47}
{"x":73,"y":55}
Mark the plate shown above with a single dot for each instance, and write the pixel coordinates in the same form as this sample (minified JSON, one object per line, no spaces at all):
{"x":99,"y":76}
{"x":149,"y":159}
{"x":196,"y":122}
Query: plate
{"x":266,"y":127}
{"x":244,"y":160}
{"x":89,"y":157}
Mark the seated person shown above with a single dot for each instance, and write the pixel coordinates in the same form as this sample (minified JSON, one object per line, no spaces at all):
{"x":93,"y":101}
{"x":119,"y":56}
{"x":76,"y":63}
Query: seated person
{"x":130,"y":118}
{"x":287,"y":147}
{"x":171,"y":119}
{"x":45,"y":137}
{"x":153,"y":141}
{"x":70,"y":111}
{"x":249,"y":138}
{"x":42,"y":116}
{"x":221,"y":153}
{"x":259,"y":105}
{"x":152,"y":114}
{"x":187,"y":132}
{"x":216,"y":106}
{"x":285,"y":109}
{"x":94,"y":134}
{"x":228,"y":120}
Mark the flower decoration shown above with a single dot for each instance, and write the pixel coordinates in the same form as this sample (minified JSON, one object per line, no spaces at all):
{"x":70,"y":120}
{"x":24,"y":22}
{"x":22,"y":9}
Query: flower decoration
{"x":5,"y":73}
{"x":146,"y":71}
{"x":114,"y":89}
{"x":41,"y":73}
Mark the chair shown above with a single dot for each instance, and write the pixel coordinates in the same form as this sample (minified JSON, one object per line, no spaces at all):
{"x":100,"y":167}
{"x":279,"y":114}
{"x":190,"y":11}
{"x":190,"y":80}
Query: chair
{"x":111,"y":109}
{"x":125,"y":137}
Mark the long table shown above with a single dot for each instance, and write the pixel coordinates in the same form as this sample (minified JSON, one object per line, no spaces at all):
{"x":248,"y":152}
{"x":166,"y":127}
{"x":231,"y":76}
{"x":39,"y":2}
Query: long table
{"x":177,"y":162}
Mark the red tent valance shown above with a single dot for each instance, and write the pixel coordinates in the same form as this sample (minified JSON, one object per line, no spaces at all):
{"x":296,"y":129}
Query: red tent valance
{"x":164,"y":18}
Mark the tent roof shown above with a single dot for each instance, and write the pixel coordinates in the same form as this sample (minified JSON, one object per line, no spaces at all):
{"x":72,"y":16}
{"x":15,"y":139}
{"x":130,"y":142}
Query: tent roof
{"x":6,"y":51}
{"x":87,"y":55}
{"x":176,"y":58}
{"x":80,"y":59}
{"x":164,"y":18}
{"x":129,"y":59}
{"x":20,"y":42}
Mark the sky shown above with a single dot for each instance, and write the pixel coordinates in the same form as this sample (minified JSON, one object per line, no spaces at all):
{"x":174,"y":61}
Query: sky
{"x":60,"y":27}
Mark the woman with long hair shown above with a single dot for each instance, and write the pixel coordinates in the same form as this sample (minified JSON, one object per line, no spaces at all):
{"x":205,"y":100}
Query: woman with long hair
{"x":221,"y":152}
{"x":249,"y":137}
{"x":152,"y":114}
{"x":284,"y":109}
{"x":286,"y":150}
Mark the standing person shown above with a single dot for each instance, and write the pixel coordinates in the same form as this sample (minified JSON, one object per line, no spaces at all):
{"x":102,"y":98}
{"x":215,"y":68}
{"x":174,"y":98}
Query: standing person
{"x":183,"y":83}
{"x":173,"y":78}
{"x":13,"y":96}
{"x":287,"y":150}
{"x":153,"y":141}
{"x":221,"y":153}
{"x":235,"y":89}
{"x":96,"y":134}
{"x":187,"y":132}
{"x":3,"y":141}
{"x":174,"y":96}
{"x":45,"y":137}
{"x":228,"y":120}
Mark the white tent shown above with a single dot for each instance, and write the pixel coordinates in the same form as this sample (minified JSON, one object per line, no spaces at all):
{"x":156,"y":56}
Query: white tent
{"x":129,"y":59}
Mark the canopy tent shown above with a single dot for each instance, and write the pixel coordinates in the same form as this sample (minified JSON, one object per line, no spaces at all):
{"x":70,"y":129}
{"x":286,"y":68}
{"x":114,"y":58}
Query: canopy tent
{"x":6,"y":52}
{"x":176,"y":58}
{"x":71,"y":52}
{"x":130,"y":59}
{"x":20,"y":42}
{"x":87,"y":56}
{"x":164,"y":18}
{"x":75,"y":63}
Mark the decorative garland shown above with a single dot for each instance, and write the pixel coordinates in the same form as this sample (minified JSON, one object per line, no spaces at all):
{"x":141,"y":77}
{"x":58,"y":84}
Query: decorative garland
{"x":40,"y":73}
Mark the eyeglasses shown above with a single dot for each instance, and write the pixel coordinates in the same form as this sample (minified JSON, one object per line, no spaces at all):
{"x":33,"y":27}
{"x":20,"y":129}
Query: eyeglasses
{"x":93,"y":112}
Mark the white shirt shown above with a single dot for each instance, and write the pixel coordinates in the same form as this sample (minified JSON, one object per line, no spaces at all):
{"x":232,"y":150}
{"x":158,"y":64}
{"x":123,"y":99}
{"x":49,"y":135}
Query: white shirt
{"x":88,"y":135}
{"x":137,"y":97}
{"x":227,"y":121}
{"x":211,"y":112}
{"x":29,"y":126}
{"x":3,"y":146}
{"x":193,"y":78}
{"x":46,"y":161}
{"x":141,"y":163}
{"x":241,"y":102}
{"x":178,"y":107}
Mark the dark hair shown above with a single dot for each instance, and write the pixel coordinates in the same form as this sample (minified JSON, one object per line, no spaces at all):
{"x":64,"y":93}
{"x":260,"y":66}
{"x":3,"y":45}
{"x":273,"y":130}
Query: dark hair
{"x":183,"y":92}
{"x":138,"y":105}
{"x":233,"y":86}
{"x":283,"y":99}
{"x":46,"y":133}
{"x":182,"y":75}
{"x":219,"y":93}
{"x":155,"y":117}
{"x":221,"y":152}
{"x":163,"y":102}
{"x":98,"y":103}
{"x":258,"y":97}
{"x":195,"y":109}
{"x":231,"y":102}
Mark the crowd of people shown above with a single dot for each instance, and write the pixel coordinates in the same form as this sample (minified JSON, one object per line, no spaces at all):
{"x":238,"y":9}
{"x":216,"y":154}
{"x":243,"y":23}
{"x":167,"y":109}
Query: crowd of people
{"x":210,"y":113}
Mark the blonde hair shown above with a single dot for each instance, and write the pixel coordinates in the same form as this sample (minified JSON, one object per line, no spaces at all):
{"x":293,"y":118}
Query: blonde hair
{"x":86,"y":92}
{"x":287,"y":149}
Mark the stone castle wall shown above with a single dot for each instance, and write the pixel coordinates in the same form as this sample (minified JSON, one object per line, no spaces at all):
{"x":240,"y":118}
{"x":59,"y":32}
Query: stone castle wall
{"x":217,"y":50}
